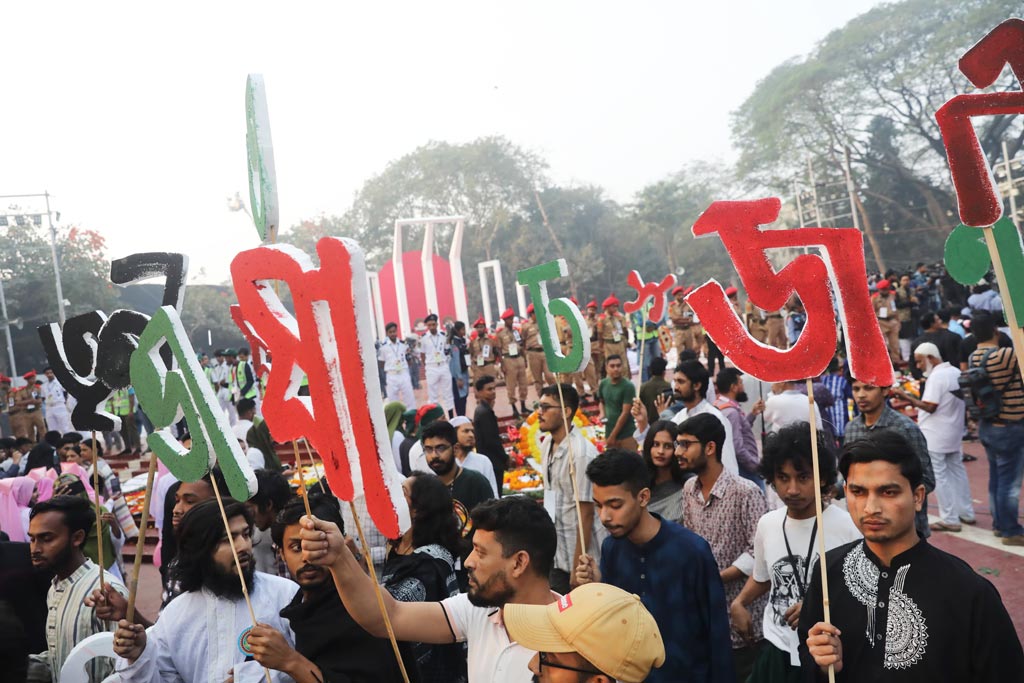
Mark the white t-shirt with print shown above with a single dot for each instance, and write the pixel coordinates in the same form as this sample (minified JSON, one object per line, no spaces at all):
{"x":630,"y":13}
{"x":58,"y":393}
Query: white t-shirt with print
{"x":771,"y":563}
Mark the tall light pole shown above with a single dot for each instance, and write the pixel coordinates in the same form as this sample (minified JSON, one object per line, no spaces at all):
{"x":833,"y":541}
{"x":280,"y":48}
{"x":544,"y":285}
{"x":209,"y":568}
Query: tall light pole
{"x":53,"y":246}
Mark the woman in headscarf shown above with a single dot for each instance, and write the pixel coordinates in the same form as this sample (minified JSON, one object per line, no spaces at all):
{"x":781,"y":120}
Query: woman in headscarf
{"x":15,"y":496}
{"x":420,"y":567}
{"x":408,"y":429}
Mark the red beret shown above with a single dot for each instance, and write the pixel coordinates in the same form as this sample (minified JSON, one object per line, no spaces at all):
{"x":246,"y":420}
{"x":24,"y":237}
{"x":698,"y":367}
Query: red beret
{"x":529,"y":309}
{"x":4,"y":379}
{"x":689,"y":289}
{"x":731,"y":291}
{"x":591,"y":304}
{"x":610,"y":301}
{"x":508,"y":314}
{"x":676,"y":290}
{"x":573,"y":299}
{"x":883,"y":284}
{"x":30,"y":373}
{"x":480,"y":321}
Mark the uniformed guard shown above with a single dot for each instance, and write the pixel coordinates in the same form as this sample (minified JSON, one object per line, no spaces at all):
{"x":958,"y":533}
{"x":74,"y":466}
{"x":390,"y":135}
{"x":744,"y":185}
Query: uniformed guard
{"x":613,"y":332}
{"x":513,"y":362}
{"x":536,"y":361}
{"x":27,"y":412}
{"x":565,"y":340}
{"x":596,"y":347}
{"x":681,"y":315}
{"x":433,"y":346}
{"x":756,"y":320}
{"x":393,"y":354}
{"x":482,"y":354}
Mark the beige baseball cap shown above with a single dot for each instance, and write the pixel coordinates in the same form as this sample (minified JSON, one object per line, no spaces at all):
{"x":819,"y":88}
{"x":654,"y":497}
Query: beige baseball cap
{"x":605,"y":625}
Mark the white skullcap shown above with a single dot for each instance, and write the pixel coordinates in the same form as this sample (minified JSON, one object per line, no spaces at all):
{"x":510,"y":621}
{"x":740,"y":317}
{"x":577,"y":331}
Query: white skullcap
{"x":927,"y":349}
{"x":459,"y":421}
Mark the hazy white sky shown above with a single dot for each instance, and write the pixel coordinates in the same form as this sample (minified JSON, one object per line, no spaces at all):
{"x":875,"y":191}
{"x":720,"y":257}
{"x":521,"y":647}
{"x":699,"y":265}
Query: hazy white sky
{"x":134,"y":119}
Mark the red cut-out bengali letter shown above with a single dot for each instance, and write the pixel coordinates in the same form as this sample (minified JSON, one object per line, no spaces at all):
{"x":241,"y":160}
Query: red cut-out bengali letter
{"x":979,"y":203}
{"x":808,"y":275}
{"x":657,"y":292}
{"x":330,"y":340}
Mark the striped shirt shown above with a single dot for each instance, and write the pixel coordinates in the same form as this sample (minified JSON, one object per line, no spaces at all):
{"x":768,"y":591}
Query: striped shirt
{"x":68,"y":621}
{"x":1002,"y":370}
{"x":838,"y":414}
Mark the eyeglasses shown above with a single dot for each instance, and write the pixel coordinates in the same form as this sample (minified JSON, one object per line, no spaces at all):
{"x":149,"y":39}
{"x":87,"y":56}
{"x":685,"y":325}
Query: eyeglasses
{"x":542,"y":407}
{"x":685,"y":443}
{"x":430,"y":450}
{"x":551,"y":665}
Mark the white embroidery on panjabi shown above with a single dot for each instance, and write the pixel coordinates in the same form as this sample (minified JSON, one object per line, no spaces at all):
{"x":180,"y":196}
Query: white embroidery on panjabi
{"x":906,"y":631}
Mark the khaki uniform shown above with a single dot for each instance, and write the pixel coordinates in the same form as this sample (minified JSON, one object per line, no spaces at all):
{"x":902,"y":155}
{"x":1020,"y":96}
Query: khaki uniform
{"x":536,"y":361}
{"x":513,"y":365}
{"x":613,"y":335}
{"x":595,"y":370}
{"x":483,"y":358}
{"x":776,"y":327}
{"x":565,"y":339}
{"x":27,"y":413}
{"x":683,"y":328}
{"x":885,"y":311}
{"x":757,"y":322}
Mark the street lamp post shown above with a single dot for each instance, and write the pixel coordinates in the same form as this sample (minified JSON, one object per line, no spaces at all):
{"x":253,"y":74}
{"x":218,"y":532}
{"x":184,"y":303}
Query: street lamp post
{"x":7,"y":328}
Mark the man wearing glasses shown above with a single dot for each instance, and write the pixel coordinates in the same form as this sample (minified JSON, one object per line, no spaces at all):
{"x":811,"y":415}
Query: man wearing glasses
{"x":596,"y":634}
{"x":560,"y":495}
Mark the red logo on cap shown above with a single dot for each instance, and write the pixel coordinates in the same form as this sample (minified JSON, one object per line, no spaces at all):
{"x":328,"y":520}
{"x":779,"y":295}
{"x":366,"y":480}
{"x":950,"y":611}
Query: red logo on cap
{"x":565,"y":603}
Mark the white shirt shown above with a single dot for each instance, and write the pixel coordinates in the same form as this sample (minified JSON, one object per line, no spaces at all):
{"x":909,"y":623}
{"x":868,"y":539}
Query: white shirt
{"x":493,"y":658}
{"x":789,"y":407}
{"x":392,"y":354}
{"x":195,"y":640}
{"x":54,"y":396}
{"x":771,"y":564}
{"x":221,"y":372}
{"x":479,"y":463}
{"x":728,"y":448}
{"x":943,"y":429}
{"x":432,"y":346}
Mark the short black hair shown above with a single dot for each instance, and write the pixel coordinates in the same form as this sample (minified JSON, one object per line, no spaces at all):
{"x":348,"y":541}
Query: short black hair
{"x":708,"y":429}
{"x":199,"y":533}
{"x":726,"y":378}
{"x":243,"y":351}
{"x":431,"y":318}
{"x":440,"y":429}
{"x":696,"y":373}
{"x":272,"y":489}
{"x":792,"y":444}
{"x":245,"y":405}
{"x":612,"y":357}
{"x":72,"y":437}
{"x":983,"y":327}
{"x":482,"y":381}
{"x":216,"y":473}
{"x":927,"y":320}
{"x":391,"y":326}
{"x":77,"y":512}
{"x":944,"y":315}
{"x":571,"y":396}
{"x":322,"y":506}
{"x":519,"y":524}
{"x":687,"y":354}
{"x":657,"y":366}
{"x":619,"y":467}
{"x":883,"y":444}
{"x":673,"y":429}
{"x":53,"y":438}
{"x":23,"y":441}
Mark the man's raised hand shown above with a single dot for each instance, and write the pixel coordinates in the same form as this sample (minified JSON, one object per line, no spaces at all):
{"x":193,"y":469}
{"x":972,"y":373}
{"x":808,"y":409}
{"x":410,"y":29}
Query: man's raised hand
{"x":322,"y":542}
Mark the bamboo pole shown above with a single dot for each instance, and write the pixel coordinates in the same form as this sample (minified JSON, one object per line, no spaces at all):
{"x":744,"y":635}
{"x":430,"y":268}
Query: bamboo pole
{"x":96,"y":501}
{"x":140,"y":543}
{"x":818,"y":516}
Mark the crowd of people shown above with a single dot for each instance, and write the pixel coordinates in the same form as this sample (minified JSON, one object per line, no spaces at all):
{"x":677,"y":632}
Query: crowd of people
{"x":685,"y":549}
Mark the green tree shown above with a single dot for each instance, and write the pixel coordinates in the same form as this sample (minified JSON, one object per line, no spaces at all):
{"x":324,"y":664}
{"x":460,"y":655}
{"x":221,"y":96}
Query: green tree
{"x":873,"y":87}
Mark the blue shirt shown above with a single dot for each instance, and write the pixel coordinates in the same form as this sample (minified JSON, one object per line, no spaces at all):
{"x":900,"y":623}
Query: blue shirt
{"x":677,"y":580}
{"x":838,"y":414}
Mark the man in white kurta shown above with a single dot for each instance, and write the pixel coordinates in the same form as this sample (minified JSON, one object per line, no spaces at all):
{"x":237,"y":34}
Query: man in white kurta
{"x":200,"y":636}
{"x":434,"y":348}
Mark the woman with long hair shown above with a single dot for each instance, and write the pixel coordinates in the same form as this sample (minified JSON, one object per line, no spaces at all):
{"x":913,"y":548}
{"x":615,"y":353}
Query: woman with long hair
{"x":420,"y":567}
{"x":666,"y":476}
{"x":458,"y":363}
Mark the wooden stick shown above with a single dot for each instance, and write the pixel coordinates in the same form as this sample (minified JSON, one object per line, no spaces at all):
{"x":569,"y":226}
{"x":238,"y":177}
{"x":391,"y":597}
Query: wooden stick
{"x":377,"y":590}
{"x":572,"y":472}
{"x":643,"y":343}
{"x":323,"y":470}
{"x":817,"y":516}
{"x":234,"y":554}
{"x":997,"y":265}
{"x":302,"y":480}
{"x":140,"y":543}
{"x":96,"y":496}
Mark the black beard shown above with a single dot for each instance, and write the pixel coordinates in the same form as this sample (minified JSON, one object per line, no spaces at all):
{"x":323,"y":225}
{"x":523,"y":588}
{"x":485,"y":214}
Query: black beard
{"x":441,"y":467}
{"x":742,"y":397}
{"x":62,"y":560}
{"x":225,"y":584}
{"x":498,"y":596}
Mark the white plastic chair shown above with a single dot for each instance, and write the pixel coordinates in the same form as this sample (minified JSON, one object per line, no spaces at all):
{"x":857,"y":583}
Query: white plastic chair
{"x":96,"y":645}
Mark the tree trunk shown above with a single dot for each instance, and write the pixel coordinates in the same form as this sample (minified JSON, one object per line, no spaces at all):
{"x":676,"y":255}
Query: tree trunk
{"x":869,"y":232}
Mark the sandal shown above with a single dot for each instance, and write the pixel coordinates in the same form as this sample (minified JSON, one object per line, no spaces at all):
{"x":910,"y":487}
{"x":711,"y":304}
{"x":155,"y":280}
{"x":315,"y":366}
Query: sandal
{"x":942,"y":526}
